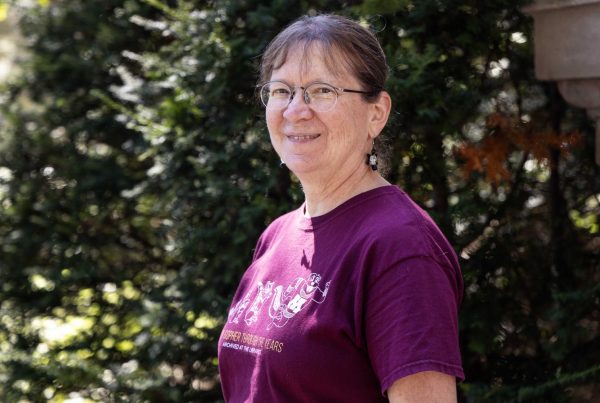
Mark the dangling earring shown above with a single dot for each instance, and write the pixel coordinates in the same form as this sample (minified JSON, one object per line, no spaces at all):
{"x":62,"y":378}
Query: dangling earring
{"x":372,"y":158}
{"x":282,"y":164}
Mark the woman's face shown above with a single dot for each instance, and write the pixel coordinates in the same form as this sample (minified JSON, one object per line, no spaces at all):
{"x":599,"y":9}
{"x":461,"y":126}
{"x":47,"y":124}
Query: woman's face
{"x":321,"y":146}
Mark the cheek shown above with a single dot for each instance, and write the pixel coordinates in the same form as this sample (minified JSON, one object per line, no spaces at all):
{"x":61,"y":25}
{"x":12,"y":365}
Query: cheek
{"x":352,"y":127}
{"x":272,"y":119}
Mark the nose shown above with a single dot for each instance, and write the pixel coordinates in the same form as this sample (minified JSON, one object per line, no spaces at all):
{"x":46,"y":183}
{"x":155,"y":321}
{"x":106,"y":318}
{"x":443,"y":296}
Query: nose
{"x":297,"y":109}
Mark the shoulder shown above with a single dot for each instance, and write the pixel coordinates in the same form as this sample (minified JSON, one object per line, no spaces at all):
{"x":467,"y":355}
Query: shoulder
{"x":394,"y":221}
{"x":390,"y":207}
{"x":397,"y":236}
{"x":273,"y":231}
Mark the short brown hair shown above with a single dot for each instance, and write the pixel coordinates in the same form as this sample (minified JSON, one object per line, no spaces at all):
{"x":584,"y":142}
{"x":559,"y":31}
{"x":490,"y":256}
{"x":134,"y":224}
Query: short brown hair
{"x":338,"y":37}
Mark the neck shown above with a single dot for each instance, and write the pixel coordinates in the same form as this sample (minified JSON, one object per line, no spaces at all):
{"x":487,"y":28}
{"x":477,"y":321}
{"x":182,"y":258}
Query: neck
{"x":323,"y":196}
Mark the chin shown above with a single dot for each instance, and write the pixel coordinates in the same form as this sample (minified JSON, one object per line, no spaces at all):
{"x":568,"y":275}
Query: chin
{"x":300,"y":167}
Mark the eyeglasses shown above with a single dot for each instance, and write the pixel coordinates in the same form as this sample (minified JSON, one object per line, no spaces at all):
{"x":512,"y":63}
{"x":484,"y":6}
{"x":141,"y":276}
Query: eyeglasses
{"x":321,"y":97}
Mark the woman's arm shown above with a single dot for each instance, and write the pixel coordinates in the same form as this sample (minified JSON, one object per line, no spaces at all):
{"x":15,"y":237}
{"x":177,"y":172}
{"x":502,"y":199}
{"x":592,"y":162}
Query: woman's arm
{"x":427,"y":386}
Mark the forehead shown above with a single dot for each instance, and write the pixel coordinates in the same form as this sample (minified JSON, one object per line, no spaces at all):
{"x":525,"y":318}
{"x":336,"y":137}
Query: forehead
{"x":310,"y":61}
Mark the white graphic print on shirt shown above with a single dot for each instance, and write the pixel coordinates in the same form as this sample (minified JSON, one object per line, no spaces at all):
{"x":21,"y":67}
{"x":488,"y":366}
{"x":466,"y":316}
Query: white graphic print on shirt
{"x":284,"y":304}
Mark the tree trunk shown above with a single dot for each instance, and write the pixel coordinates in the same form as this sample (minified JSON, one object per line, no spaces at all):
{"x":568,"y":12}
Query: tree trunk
{"x":439,"y":180}
{"x":558,"y":205}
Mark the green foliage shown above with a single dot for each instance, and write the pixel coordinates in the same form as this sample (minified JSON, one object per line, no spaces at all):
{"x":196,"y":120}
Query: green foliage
{"x":136,"y":175}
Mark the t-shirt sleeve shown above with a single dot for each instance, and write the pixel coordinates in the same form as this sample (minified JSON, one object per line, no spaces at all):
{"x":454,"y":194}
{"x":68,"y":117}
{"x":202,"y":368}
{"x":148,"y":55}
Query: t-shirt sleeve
{"x":411,"y":319}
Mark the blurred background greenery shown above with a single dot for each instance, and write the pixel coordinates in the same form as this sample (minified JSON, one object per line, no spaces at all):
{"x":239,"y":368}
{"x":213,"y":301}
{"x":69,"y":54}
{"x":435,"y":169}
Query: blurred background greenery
{"x":136,"y":175}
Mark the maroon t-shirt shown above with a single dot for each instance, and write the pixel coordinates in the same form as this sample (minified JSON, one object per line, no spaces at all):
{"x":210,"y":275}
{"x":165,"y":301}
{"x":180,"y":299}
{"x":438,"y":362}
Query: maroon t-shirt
{"x":336,"y":308}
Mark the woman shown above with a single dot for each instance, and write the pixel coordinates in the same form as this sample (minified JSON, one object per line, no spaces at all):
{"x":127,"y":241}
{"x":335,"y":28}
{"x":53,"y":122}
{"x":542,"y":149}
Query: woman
{"x":353,"y":297}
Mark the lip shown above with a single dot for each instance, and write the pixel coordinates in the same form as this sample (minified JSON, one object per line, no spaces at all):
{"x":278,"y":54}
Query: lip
{"x":302,"y":137}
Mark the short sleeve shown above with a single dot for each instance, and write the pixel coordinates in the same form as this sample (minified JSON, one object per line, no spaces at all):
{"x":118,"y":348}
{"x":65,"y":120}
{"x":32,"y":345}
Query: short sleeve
{"x":411,"y":319}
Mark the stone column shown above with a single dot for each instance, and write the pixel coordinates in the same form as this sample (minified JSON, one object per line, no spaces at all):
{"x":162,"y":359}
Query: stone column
{"x":567,"y":50}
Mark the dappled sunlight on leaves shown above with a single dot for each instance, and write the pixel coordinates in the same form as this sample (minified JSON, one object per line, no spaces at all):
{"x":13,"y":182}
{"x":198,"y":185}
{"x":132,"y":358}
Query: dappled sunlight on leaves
{"x":136,"y":174}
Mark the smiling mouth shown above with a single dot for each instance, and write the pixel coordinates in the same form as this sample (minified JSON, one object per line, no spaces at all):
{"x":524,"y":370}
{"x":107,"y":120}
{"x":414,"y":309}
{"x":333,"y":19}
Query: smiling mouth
{"x":303,"y":137}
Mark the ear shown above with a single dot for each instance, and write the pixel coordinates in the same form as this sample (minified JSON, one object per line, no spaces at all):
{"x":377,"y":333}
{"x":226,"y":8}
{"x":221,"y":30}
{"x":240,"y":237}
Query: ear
{"x":379,"y":112}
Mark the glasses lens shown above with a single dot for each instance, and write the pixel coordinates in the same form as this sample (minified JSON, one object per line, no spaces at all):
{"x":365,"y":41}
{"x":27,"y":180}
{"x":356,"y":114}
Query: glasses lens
{"x":321,"y":97}
{"x":275,"y":95}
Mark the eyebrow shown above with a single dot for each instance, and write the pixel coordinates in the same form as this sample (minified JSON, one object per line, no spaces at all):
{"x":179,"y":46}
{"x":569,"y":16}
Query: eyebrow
{"x":304,"y":85}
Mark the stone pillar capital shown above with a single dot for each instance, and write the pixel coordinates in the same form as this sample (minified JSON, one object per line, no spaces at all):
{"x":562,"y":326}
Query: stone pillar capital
{"x":584,"y":94}
{"x":566,"y":35}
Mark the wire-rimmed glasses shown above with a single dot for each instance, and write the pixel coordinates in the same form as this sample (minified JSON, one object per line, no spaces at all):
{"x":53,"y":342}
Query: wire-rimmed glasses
{"x":321,"y":97}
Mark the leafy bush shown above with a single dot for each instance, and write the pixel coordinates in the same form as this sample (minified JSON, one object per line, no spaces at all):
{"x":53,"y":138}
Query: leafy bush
{"x":136,"y":175}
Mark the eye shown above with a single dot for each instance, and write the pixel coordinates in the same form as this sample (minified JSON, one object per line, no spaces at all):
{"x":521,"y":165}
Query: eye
{"x":279,"y":92}
{"x":321,"y":91}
